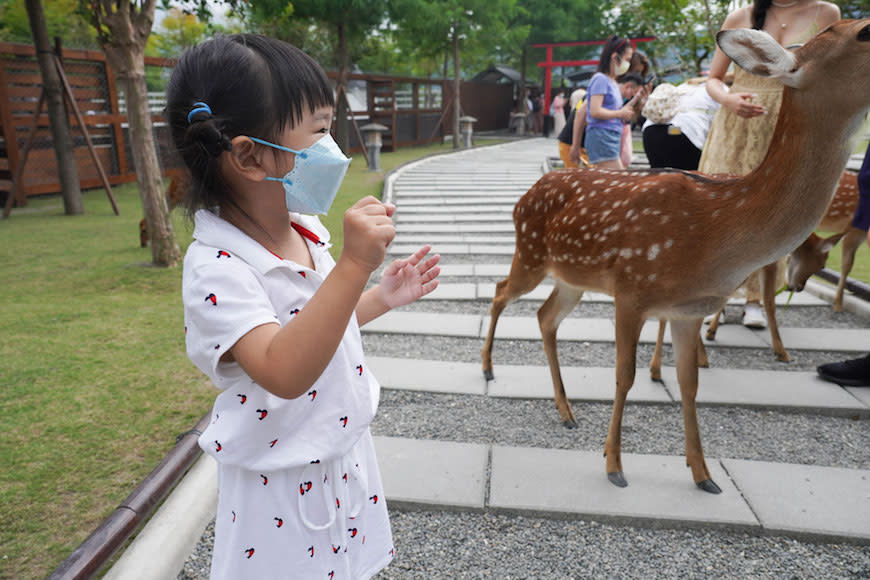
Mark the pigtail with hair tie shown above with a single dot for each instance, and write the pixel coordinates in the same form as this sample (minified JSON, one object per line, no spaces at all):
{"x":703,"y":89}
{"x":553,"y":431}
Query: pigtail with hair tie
{"x":203,"y":130}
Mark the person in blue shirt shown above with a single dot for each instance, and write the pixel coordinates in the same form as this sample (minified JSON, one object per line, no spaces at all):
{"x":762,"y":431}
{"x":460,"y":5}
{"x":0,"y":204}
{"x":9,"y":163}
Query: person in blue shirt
{"x":606,"y":113}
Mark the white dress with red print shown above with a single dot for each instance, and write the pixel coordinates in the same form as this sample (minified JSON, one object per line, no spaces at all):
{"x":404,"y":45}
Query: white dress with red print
{"x":300,"y":494}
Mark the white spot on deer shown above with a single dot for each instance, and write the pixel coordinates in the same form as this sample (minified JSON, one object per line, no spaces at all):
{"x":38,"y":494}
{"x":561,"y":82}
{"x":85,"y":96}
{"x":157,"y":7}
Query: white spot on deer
{"x":625,"y":253}
{"x":628,"y":269}
{"x":598,"y":182}
{"x":534,"y":235}
{"x":653,"y":252}
{"x":665,"y":219}
{"x":669,"y":244}
{"x":716,"y":213}
{"x":575,"y":183}
{"x":740,"y":203}
{"x":523,"y":227}
{"x":638,"y":251}
{"x":652,"y":277}
{"x":583,"y":211}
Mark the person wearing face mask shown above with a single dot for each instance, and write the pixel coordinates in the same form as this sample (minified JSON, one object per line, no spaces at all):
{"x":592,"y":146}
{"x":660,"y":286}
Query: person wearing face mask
{"x":606,"y":114}
{"x":273,"y":320}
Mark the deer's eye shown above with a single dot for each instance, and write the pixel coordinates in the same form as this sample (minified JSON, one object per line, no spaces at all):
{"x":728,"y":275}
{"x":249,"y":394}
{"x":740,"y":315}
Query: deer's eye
{"x":864,"y":35}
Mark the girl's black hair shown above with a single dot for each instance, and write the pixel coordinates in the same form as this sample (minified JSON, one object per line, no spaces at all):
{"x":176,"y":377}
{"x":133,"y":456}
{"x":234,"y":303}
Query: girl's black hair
{"x":253,"y":85}
{"x":611,"y":45}
{"x":759,"y":13}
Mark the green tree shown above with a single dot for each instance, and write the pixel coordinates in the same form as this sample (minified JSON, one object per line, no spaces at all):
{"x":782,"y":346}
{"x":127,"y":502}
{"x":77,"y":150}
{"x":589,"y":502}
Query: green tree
{"x":685,"y":30}
{"x":452,"y":27}
{"x":124,"y":28}
{"x":178,"y":30}
{"x":314,"y":25}
{"x":62,"y":18}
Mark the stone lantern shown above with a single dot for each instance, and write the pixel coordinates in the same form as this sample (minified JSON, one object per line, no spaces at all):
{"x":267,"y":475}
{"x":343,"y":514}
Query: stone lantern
{"x":373,"y":141}
{"x":466,"y":128}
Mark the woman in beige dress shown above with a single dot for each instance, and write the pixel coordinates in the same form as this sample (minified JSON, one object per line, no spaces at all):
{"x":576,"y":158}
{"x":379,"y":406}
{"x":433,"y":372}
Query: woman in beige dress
{"x":742,"y":129}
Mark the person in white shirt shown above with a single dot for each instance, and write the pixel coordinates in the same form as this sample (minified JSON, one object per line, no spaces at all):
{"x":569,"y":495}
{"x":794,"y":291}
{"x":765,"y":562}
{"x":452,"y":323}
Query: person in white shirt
{"x":274,"y":321}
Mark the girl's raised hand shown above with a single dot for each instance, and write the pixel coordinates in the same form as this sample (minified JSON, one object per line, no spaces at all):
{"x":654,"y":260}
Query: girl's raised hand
{"x":409,"y":279}
{"x":368,"y":230}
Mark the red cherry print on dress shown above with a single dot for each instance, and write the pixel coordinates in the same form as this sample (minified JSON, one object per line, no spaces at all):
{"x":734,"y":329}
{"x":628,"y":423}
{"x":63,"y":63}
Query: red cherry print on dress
{"x":344,"y":477}
{"x":335,"y":549}
{"x":217,"y":446}
{"x":313,"y":394}
{"x":331,"y":574}
{"x":249,"y":552}
{"x":272,"y":442}
{"x":278,"y":522}
{"x":242,"y":398}
{"x":359,"y":369}
{"x":223,"y":254}
{"x":303,"y":274}
{"x":343,"y":421}
{"x":234,"y":516}
{"x":263,"y":413}
{"x":294,"y":311}
{"x":353,"y":532}
{"x":265,"y":479}
{"x":374,"y":498}
{"x":337,"y":504}
{"x":315,"y":462}
{"x":310,"y":551}
{"x":304,"y":487}
{"x":211,"y":298}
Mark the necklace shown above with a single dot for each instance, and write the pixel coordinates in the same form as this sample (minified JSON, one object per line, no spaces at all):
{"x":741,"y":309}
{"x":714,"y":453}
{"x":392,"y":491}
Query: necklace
{"x":780,"y":22}
{"x":785,"y":5}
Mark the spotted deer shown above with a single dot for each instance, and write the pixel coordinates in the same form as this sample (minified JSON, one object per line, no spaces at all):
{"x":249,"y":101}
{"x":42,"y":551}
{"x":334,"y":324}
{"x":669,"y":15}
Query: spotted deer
{"x":803,"y":262}
{"x":810,"y":256}
{"x":674,"y":244}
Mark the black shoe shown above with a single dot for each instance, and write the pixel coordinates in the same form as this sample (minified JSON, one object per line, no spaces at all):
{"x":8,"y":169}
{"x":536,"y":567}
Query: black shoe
{"x":853,"y":372}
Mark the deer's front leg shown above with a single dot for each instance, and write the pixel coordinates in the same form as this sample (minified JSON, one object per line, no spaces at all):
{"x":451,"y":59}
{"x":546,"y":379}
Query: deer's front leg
{"x":685,"y":338}
{"x":561,"y":301}
{"x":768,"y":282}
{"x":628,"y":323}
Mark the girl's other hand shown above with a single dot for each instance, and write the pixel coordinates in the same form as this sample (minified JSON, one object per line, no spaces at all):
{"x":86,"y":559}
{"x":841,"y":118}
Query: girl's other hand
{"x":409,"y":279}
{"x":368,"y":230}
{"x":741,"y":105}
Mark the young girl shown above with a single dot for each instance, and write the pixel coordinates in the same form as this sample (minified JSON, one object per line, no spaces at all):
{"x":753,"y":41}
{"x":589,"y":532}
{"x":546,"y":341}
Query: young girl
{"x":606,"y":115}
{"x":274,"y":321}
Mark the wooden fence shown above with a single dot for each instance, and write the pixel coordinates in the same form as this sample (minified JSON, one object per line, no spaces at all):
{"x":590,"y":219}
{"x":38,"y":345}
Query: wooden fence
{"x":411,"y":108}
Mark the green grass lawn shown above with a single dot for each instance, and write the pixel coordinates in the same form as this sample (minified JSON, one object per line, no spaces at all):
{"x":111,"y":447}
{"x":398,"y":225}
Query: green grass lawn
{"x":95,"y":380}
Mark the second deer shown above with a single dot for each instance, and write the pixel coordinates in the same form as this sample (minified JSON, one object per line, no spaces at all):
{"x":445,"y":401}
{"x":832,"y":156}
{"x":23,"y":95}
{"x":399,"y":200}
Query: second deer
{"x":675,"y":244}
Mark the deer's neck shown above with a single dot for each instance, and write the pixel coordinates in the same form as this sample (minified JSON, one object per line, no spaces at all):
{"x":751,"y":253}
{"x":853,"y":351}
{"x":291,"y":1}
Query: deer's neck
{"x":789,"y":192}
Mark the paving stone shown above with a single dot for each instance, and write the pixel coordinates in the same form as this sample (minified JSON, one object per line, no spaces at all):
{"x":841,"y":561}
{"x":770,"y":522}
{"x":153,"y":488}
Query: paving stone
{"x":807,"y":500}
{"x":394,"y":322}
{"x":432,"y":376}
{"x":768,"y":389}
{"x":660,"y":488}
{"x":842,"y":339}
{"x":439,"y":473}
{"x":581,"y":384}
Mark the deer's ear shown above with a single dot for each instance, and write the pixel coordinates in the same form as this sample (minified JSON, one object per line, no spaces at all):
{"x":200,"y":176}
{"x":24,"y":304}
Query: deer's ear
{"x":757,"y":52}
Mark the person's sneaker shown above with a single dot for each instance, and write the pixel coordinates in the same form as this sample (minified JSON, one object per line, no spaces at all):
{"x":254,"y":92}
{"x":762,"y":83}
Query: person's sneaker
{"x":753,"y":316}
{"x":853,"y":372}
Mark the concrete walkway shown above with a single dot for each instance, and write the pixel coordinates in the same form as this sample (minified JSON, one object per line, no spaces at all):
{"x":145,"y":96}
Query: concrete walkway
{"x":462,"y":203}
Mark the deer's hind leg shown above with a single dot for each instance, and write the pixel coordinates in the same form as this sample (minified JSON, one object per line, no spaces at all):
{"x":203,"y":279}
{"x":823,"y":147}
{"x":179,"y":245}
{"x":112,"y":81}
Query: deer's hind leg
{"x":768,"y":284}
{"x":521,"y":280}
{"x":558,"y":305}
{"x":655,"y":363}
{"x":850,"y":244}
{"x":628,"y":322}
{"x":685,"y":337}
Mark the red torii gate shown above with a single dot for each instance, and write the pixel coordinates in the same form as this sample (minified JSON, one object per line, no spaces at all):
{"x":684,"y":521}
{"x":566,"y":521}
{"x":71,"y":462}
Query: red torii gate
{"x":550,"y":63}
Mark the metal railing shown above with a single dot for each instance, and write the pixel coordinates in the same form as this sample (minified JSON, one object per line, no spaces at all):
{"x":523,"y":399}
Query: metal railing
{"x":98,"y":548}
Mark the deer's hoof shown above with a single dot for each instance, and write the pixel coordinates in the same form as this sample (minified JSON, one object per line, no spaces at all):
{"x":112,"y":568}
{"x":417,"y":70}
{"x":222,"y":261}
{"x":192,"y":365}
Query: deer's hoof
{"x":487,"y":374}
{"x":783,"y":357}
{"x":617,"y":479}
{"x":570,"y":424}
{"x":709,"y":486}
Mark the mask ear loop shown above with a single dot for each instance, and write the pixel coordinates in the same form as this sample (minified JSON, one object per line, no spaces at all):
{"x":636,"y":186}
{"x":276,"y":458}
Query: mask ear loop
{"x":301,"y":154}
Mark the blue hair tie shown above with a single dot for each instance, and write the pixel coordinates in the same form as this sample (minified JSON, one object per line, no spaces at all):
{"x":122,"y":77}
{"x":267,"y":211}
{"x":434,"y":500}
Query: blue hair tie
{"x":198,"y":107}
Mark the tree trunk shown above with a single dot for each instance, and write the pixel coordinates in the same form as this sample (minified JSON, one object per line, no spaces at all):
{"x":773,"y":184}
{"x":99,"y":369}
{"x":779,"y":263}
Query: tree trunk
{"x":457,"y":108}
{"x":524,"y":100}
{"x":128,"y":61}
{"x":341,"y":109}
{"x":57,"y":115}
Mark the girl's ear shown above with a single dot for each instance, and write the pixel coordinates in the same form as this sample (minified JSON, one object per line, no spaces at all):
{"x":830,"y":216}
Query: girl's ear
{"x":246,"y":159}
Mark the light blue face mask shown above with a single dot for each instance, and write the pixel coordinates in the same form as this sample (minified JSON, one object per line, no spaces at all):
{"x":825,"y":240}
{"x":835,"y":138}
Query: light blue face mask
{"x":311,"y":186}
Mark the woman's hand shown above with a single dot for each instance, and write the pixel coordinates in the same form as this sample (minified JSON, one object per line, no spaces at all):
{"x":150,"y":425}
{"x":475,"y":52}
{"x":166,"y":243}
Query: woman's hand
{"x":409,"y":279}
{"x":741,"y":105}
